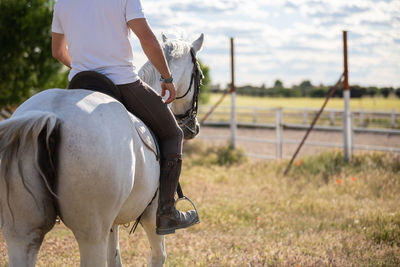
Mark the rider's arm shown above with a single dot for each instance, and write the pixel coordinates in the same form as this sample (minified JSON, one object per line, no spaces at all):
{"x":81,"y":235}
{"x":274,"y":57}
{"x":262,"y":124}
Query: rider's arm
{"x":150,"y":45}
{"x":154,"y":53}
{"x":59,"y":49}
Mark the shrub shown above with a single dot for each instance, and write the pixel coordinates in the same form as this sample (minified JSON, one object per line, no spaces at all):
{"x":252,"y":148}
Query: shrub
{"x":324,"y":165}
{"x":328,"y":165}
{"x":227,"y":155}
{"x":218,"y":155}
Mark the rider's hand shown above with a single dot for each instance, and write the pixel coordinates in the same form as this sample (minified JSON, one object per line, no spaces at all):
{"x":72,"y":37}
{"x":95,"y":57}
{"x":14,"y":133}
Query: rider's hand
{"x":172,"y":91}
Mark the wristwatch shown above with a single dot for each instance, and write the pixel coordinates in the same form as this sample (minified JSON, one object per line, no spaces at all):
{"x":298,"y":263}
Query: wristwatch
{"x":169,"y":80}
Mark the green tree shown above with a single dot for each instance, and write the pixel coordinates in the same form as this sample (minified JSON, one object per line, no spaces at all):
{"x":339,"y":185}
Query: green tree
{"x":372,"y":91}
{"x":305,"y":87}
{"x":397,"y":92}
{"x":385,"y":91}
{"x":320,"y":91}
{"x":26,"y":64}
{"x":204,"y":96}
{"x":357,"y":91}
{"x":278,"y":84}
{"x":286,"y":92}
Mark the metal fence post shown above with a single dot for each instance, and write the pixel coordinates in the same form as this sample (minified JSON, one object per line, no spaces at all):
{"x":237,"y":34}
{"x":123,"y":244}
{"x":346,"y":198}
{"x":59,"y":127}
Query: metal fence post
{"x":255,"y":115}
{"x":347,"y":127}
{"x":233,"y":120}
{"x":233,"y":99}
{"x":278,"y":131}
{"x":347,"y":113}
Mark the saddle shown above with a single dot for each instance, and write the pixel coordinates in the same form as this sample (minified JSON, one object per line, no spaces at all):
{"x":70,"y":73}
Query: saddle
{"x":98,"y":82}
{"x":95,"y":81}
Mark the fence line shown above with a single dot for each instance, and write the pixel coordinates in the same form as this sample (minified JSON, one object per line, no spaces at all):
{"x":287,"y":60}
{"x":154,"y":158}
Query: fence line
{"x":260,"y":117}
{"x":279,"y":125}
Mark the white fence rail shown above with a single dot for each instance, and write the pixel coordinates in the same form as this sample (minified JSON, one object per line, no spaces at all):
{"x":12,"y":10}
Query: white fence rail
{"x":295,"y":118}
{"x":300,"y":118}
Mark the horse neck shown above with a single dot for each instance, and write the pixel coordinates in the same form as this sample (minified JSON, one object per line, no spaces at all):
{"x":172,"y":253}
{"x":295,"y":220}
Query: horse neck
{"x":149,"y":75}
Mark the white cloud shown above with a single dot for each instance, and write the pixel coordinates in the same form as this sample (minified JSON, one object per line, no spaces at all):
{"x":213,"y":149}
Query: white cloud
{"x":290,"y":39}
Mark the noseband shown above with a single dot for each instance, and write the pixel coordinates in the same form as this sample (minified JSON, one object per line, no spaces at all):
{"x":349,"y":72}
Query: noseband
{"x":190,"y":115}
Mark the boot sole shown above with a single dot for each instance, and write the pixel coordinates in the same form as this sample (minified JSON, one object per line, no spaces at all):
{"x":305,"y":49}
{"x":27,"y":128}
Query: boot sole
{"x":172,"y":230}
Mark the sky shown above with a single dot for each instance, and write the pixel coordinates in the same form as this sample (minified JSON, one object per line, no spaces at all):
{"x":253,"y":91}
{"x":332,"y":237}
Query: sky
{"x":290,"y":40}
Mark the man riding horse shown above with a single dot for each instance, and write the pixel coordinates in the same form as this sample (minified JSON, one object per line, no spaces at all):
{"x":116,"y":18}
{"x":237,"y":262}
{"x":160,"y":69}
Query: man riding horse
{"x":94,"y":35}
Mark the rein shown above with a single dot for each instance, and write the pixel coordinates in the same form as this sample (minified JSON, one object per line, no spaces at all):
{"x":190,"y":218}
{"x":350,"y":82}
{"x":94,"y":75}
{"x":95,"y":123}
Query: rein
{"x":195,"y":71}
{"x":195,"y":80}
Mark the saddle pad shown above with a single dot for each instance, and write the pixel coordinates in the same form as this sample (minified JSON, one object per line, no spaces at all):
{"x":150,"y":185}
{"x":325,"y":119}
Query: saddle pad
{"x":147,"y":137}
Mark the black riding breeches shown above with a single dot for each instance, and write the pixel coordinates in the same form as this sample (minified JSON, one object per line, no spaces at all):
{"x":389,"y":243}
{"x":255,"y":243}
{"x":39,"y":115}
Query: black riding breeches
{"x":142,"y":101}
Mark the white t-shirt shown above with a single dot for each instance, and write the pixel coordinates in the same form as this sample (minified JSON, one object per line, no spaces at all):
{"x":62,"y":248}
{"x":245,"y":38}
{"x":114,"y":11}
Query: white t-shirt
{"x":97,"y":36}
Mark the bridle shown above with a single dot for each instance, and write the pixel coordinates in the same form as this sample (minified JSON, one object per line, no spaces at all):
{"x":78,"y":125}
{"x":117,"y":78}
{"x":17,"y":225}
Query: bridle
{"x":190,"y":115}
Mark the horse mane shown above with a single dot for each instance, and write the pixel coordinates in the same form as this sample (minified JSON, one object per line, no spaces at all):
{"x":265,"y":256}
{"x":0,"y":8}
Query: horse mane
{"x":148,"y":73}
{"x":173,"y":49}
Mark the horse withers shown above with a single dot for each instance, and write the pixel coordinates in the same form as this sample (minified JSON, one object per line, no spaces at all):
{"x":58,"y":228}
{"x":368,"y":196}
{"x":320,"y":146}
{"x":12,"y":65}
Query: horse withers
{"x":78,"y":154}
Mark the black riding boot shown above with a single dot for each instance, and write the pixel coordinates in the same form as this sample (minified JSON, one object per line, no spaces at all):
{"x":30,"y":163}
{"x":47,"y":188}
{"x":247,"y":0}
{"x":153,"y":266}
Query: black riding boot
{"x":168,"y":218}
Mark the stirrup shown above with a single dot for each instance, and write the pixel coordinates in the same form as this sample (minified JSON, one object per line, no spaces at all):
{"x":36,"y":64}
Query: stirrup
{"x":183,"y":198}
{"x":170,"y":230}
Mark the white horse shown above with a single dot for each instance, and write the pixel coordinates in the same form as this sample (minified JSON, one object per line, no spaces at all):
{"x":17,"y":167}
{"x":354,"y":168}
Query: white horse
{"x":78,"y":154}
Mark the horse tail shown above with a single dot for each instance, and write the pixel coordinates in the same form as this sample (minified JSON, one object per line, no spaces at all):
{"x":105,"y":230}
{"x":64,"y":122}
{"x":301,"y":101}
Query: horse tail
{"x":42,"y":131}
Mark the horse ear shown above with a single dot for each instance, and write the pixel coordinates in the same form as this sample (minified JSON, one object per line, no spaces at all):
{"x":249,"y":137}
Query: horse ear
{"x":198,"y":44}
{"x":164,"y":38}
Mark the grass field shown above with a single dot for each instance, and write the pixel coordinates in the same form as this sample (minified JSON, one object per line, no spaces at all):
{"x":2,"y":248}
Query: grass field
{"x":324,"y":213}
{"x":368,"y":103}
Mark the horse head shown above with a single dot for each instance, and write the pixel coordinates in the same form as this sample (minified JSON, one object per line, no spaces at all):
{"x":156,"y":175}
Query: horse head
{"x":182,"y":60}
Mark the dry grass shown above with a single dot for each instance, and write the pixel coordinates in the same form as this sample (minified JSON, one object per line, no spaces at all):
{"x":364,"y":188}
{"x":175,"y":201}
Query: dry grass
{"x":325,"y":213}
{"x":367,"y":103}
